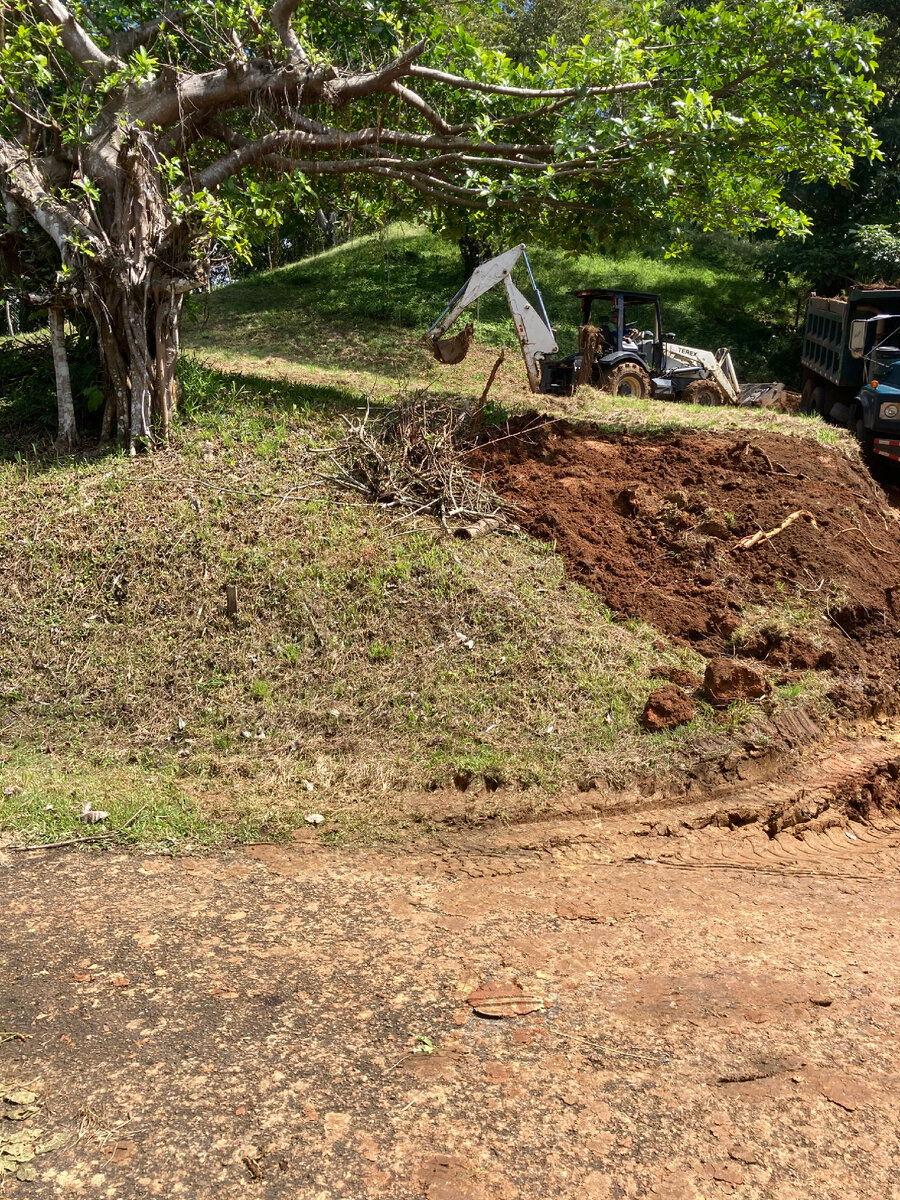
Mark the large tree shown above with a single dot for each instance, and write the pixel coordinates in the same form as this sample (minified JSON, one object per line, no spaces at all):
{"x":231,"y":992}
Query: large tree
{"x":139,"y":141}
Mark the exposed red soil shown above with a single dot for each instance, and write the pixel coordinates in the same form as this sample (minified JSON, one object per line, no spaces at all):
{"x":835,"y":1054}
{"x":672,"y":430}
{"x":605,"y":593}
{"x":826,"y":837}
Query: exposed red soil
{"x":667,"y":708}
{"x":651,"y":524}
{"x":667,"y":1007}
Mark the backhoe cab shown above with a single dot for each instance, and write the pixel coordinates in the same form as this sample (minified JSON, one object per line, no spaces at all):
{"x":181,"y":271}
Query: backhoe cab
{"x":621,"y":349}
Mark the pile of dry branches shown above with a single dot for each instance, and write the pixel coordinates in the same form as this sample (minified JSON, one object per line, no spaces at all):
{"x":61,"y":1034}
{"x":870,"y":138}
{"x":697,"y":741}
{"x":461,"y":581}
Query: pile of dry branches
{"x":412,"y":458}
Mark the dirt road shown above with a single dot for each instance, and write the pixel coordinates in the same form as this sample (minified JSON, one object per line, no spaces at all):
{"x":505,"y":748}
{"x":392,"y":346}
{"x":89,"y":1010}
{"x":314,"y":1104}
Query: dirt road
{"x":720,"y":1014}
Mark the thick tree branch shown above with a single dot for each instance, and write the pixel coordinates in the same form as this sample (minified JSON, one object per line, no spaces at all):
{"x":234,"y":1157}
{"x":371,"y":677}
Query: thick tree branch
{"x":497,"y":89}
{"x":379,"y":81}
{"x":414,"y":100}
{"x":210,"y":91}
{"x":21,"y":181}
{"x":79,"y":43}
{"x":340,"y":139}
{"x":280,"y":16}
{"x":285,"y":141}
{"x":124,"y":42}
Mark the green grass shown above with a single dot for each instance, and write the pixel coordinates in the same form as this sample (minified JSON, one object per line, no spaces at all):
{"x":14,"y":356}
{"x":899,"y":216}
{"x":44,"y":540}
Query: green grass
{"x":660,"y":417}
{"x":346,"y":684}
{"x":358,"y":309}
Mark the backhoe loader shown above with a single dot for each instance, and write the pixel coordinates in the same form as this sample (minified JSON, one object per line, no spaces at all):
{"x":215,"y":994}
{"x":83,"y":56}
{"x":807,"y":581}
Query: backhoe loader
{"x":615,"y":354}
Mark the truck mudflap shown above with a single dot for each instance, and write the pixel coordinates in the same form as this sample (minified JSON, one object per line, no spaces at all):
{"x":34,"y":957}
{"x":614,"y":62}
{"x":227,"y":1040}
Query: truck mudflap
{"x":886,"y":448}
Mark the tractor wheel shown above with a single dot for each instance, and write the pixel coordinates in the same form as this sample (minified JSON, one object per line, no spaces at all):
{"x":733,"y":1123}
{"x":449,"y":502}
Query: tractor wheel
{"x":704,"y":391}
{"x":626,"y":380}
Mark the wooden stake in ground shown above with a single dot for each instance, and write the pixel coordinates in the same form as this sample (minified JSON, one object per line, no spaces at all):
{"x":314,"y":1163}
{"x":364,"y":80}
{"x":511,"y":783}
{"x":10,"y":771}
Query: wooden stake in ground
{"x":231,"y":604}
{"x":478,"y":414}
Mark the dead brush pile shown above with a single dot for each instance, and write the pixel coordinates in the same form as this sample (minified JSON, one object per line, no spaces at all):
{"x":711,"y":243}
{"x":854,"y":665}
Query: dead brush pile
{"x":413,"y":457}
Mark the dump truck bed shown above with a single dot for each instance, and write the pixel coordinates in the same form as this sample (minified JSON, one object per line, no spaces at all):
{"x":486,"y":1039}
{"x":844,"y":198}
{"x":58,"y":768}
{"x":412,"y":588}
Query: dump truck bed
{"x":826,"y":337}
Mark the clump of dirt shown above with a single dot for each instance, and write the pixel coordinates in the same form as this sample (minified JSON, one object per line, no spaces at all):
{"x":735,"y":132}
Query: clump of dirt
{"x":797,"y":652}
{"x":727,"y":680}
{"x":667,"y":708}
{"x":652,"y":524}
{"x":685,"y":679}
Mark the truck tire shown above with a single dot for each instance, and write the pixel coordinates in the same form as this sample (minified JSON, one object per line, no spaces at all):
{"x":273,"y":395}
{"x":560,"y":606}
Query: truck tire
{"x":812,"y":395}
{"x":857,"y":426}
{"x":704,"y":391}
{"x":806,"y":398}
{"x":628,"y":379}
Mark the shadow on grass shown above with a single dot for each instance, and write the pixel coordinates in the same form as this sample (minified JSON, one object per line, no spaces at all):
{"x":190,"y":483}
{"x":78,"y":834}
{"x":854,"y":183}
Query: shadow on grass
{"x":208,"y":396}
{"x":28,"y":397}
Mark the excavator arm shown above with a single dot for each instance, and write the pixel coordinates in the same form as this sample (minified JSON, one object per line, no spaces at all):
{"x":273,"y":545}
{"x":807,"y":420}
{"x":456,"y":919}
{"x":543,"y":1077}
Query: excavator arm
{"x":532,"y":325}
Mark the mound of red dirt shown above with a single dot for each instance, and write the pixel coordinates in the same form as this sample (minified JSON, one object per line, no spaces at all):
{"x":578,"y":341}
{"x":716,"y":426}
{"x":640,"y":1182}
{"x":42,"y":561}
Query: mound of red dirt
{"x":653,"y":525}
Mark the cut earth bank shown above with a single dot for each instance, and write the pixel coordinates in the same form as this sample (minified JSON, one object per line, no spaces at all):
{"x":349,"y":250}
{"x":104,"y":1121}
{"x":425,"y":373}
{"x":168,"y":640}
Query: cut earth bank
{"x":663,"y":529}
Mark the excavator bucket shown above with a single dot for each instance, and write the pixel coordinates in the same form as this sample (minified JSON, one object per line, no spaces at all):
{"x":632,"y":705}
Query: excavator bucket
{"x":761,"y":395}
{"x":454,"y":349}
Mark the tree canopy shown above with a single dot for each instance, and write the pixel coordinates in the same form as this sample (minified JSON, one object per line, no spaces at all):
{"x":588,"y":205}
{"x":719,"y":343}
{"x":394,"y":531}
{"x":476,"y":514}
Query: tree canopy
{"x":856,"y":222}
{"x":137,"y":141}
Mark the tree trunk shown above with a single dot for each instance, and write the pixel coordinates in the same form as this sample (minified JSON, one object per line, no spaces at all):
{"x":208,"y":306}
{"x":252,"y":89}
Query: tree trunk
{"x":66,"y":432}
{"x":137,"y":313}
{"x":138,"y":339}
{"x":473,"y":250}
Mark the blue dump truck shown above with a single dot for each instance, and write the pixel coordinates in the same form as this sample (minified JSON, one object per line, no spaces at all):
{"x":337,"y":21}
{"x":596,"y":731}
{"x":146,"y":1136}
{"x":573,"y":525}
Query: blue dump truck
{"x":851,"y":365}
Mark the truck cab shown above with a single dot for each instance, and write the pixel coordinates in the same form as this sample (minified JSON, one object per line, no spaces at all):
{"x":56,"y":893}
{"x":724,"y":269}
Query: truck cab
{"x":630,"y":356}
{"x":876,"y":340}
{"x":851,"y":365}
{"x":622,"y":314}
{"x":630,"y":352}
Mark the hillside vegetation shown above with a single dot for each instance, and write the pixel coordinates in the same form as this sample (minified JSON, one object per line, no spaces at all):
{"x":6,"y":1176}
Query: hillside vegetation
{"x":378,"y":671}
{"x":357,"y":311}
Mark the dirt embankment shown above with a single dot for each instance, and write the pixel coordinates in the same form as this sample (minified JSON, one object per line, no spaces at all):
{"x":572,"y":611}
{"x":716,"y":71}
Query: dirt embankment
{"x":653,"y":525}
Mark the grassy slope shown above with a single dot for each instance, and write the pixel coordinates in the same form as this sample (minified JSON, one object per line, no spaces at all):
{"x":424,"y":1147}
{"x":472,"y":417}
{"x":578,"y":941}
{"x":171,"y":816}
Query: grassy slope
{"x":346,"y":686}
{"x":348,"y":306}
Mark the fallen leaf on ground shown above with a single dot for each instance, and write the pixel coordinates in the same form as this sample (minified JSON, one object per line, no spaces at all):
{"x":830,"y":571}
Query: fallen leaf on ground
{"x":22,"y":1153}
{"x":20,"y":1113}
{"x":253,"y":1167}
{"x":54,"y":1142}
